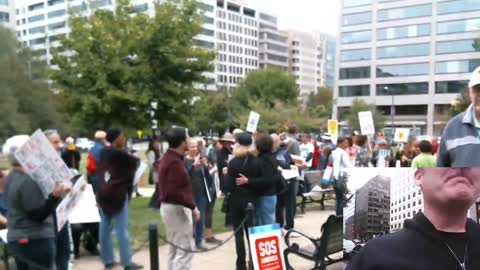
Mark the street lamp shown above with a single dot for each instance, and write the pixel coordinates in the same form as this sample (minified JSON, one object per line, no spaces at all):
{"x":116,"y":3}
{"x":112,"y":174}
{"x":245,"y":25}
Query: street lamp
{"x":392,"y":107}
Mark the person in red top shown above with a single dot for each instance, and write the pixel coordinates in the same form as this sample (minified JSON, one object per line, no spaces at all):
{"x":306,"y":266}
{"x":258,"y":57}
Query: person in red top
{"x":316,"y":155}
{"x":176,"y":196}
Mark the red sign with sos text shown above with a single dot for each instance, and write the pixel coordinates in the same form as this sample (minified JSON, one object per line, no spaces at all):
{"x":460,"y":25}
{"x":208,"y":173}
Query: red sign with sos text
{"x":269,"y":253}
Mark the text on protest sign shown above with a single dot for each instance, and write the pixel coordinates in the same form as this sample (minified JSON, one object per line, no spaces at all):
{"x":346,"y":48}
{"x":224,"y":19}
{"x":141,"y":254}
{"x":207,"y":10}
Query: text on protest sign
{"x":70,"y":202}
{"x":266,"y":247}
{"x":253,"y":122}
{"x":40,"y":160}
{"x":366,"y":123}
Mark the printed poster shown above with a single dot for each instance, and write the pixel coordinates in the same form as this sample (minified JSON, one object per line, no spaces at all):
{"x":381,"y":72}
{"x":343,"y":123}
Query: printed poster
{"x":253,"y":122}
{"x":70,"y":202}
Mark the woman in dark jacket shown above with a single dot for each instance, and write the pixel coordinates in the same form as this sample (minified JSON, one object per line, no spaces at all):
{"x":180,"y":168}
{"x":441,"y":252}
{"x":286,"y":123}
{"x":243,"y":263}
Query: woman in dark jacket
{"x":266,"y":185}
{"x":197,"y":167}
{"x":246,"y":164}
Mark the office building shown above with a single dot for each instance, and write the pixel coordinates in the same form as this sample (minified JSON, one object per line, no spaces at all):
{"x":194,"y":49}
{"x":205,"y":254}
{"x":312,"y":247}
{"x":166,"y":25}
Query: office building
{"x":414,"y":54}
{"x":330,"y":61}
{"x":406,"y":199}
{"x":7,"y":14}
{"x":372,"y":208}
{"x":273,"y":46}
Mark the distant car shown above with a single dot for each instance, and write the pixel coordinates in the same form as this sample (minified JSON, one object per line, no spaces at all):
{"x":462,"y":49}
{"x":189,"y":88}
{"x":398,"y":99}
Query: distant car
{"x":84,"y":144}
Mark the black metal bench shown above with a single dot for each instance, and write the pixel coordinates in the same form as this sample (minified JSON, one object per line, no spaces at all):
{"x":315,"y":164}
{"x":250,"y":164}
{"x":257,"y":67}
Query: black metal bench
{"x":312,"y":190}
{"x":329,"y":243}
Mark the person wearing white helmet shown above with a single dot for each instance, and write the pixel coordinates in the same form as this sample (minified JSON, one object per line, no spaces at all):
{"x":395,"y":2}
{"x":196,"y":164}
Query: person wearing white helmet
{"x":460,"y":143}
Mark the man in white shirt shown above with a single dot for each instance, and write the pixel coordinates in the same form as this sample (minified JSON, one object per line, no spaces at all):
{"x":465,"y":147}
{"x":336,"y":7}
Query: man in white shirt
{"x":307,"y":149}
{"x":341,"y":160}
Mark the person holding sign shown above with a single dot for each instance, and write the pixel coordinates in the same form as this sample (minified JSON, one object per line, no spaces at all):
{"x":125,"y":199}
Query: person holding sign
{"x":197,"y":167}
{"x":31,"y":229}
{"x":115,"y":186}
{"x":383,"y":156}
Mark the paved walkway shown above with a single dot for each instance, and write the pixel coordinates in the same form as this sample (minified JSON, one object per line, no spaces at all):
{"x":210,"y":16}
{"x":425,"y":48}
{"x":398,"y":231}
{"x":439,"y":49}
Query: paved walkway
{"x":224,"y":257}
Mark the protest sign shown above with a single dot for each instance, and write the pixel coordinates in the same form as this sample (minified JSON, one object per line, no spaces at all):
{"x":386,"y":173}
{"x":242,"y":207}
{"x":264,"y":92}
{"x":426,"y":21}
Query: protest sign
{"x":401,"y":135}
{"x":266,"y":247}
{"x":253,"y":122}
{"x":70,"y":202}
{"x":333,"y":129}
{"x":298,"y":160}
{"x":382,"y":158}
{"x":3,"y":235}
{"x":366,"y":123}
{"x":40,"y":160}
{"x":86,"y":210}
{"x":290,"y":174}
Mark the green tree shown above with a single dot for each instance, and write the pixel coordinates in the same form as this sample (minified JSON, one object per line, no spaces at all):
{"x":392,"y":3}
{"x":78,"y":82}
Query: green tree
{"x":120,"y":64}
{"x":211,"y":112}
{"x":461,"y":103}
{"x":359,"y":105}
{"x":26,"y":102}
{"x":266,"y":86}
{"x":280,"y":116}
{"x":321,"y":102}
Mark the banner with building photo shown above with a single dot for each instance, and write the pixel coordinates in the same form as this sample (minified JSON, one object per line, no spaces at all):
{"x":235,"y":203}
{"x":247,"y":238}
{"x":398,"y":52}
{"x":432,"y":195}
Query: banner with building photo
{"x":40,"y":160}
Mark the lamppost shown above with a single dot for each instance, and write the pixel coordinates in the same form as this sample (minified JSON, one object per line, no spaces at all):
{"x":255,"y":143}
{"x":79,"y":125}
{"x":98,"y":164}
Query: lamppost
{"x":392,"y":107}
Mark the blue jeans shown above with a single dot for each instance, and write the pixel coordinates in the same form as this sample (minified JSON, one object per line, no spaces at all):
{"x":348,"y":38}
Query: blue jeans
{"x":119,"y":222}
{"x":199,"y":225}
{"x":266,"y":210}
{"x":339,"y":200}
{"x":287,"y":205}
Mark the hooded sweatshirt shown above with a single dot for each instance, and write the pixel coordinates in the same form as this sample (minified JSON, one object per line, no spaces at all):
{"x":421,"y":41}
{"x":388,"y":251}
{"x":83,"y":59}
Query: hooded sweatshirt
{"x":420,"y":246}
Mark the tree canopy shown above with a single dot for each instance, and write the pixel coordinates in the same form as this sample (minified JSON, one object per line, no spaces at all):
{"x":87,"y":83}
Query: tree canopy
{"x":321,"y":102}
{"x":26,"y":102}
{"x":359,"y":105}
{"x":126,"y":69}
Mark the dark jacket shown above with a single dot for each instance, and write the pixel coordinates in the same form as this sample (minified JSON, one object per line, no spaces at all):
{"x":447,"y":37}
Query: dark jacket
{"x":266,"y":185}
{"x":174,"y":183}
{"x":419,"y":246}
{"x":222,"y":162}
{"x":72,"y":158}
{"x":201,"y":179}
{"x":247,"y":164}
{"x":115,"y":179}
{"x":390,"y":158}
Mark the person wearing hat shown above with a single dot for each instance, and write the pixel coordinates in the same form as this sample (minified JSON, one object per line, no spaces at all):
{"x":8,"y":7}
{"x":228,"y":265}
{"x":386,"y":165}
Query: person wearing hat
{"x":93,"y":158}
{"x":245,"y":163}
{"x":116,"y":172}
{"x":227,"y":141}
{"x":31,"y":226}
{"x":70,"y":155}
{"x":460,"y":141}
{"x":383,"y":154}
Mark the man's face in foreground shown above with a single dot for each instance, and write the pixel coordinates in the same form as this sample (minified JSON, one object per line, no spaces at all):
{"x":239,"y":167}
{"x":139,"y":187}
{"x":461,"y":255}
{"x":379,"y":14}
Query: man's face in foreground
{"x":475,"y":98}
{"x":454,"y":186}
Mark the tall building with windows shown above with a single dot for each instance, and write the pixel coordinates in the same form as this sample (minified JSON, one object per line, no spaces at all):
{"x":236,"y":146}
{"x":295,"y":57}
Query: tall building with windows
{"x":273,"y":46}
{"x":7,"y":13}
{"x":416,"y":55}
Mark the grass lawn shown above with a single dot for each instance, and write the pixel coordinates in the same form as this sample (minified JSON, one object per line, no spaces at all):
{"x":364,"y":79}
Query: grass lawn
{"x":141,"y":216}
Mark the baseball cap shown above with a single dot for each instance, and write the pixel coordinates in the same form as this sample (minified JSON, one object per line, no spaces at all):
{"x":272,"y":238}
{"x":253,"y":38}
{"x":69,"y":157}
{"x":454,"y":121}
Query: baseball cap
{"x":475,"y":79}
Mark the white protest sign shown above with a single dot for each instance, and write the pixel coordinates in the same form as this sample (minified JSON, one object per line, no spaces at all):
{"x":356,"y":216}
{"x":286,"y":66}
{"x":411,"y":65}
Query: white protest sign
{"x":40,"y":160}
{"x":401,"y":134}
{"x":366,"y":123}
{"x":290,"y":174}
{"x":298,"y":160}
{"x":3,"y":235}
{"x":382,"y":155}
{"x":70,"y":202}
{"x":139,"y":173}
{"x":86,"y":210}
{"x":266,"y":247}
{"x":253,"y":122}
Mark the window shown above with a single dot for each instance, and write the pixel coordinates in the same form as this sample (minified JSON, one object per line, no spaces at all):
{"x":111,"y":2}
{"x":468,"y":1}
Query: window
{"x":354,"y":73}
{"x":358,"y":36}
{"x":206,"y":7}
{"x":403,"y":70}
{"x":208,"y":20}
{"x":38,"y":41}
{"x":4,"y":3}
{"x":205,"y":44}
{"x":55,"y":2}
{"x":276,"y":37}
{"x":36,"y":7}
{"x":450,"y":87}
{"x":403,"y":51}
{"x":354,"y":91}
{"x":355,"y":55}
{"x":356,"y":3}
{"x":460,"y":66}
{"x":402,"y":89}
{"x":102,"y":3}
{"x":404,"y":13}
{"x":36,"y":18}
{"x":208,"y":32}
{"x":268,"y":18}
{"x":458,"y":6}
{"x":357,"y":18}
{"x":37,"y":30}
{"x":4,"y":17}
{"x":457,"y":46}
{"x":459,"y":26}
{"x":56,"y":26}
{"x":407,"y":31}
{"x":276,"y":47}
{"x":56,"y":13}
